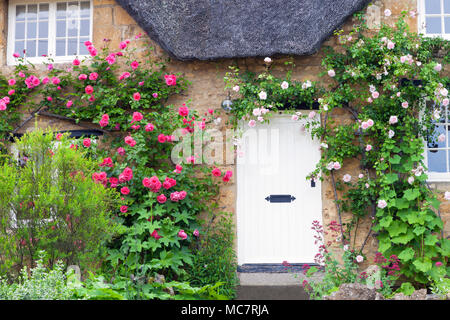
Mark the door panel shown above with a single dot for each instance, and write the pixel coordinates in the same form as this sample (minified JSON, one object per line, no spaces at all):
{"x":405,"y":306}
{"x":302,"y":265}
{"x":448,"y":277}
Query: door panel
{"x":275,"y":160}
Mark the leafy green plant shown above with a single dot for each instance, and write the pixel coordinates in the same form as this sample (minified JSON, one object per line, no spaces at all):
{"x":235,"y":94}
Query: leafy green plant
{"x":40,"y":284}
{"x":381,"y":81}
{"x":215,"y":259}
{"x":49,"y":202}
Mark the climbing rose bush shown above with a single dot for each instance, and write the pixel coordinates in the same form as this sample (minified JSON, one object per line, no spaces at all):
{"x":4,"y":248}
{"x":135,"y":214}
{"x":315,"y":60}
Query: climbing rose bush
{"x":381,"y":80}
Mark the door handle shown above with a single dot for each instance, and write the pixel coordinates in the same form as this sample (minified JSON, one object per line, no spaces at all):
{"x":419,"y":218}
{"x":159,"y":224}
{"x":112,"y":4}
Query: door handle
{"x":277,"y":198}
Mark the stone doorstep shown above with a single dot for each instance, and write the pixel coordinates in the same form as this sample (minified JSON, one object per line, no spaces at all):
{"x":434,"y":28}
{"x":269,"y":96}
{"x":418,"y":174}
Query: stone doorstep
{"x":273,"y":279}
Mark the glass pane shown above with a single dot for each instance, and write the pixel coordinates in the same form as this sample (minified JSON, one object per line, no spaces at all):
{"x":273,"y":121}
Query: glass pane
{"x":43,"y":11}
{"x":433,"y":25}
{"x":447,"y":24}
{"x":43,"y":29}
{"x":84,"y":28}
{"x":432,"y":6}
{"x":32,"y":12}
{"x":85,"y":9}
{"x":20,"y":30}
{"x":437,"y":161}
{"x":31,"y":30}
{"x":61,"y":28}
{"x":446,"y":6}
{"x":61,"y":47}
{"x":83,"y":49}
{"x":72,"y":47}
{"x":72,"y":26}
{"x":60,"y":10}
{"x":438,"y":131}
{"x":20,"y":45}
{"x":20,"y":13}
{"x":31,"y":48}
{"x":42,"y":47}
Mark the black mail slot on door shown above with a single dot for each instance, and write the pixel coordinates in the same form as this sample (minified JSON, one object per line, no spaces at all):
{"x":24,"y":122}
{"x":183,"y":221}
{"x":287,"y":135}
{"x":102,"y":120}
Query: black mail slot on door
{"x":280,"y":198}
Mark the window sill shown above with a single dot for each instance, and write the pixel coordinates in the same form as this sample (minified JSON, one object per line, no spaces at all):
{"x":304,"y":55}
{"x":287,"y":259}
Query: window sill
{"x":42,"y":60}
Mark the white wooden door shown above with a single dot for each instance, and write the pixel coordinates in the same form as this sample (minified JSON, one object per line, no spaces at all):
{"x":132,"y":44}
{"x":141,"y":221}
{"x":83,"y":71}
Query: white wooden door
{"x":274,"y":159}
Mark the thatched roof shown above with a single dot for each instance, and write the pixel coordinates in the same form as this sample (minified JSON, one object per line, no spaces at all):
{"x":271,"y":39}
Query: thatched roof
{"x":212,"y":29}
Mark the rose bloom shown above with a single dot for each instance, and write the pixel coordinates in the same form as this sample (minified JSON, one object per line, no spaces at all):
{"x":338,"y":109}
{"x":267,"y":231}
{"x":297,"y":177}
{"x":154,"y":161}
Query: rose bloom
{"x":227,"y":176}
{"x":447,"y":195}
{"x":171,"y":80}
{"x":182,"y":234}
{"x":336,"y":165}
{"x":284,"y":85}
{"x":161,"y":198}
{"x":183,"y":111}
{"x":121,"y":151}
{"x":76,"y":62}
{"x":405,"y":104}
{"x":347,"y":178}
{"x":251,"y":123}
{"x":390,"y":45}
{"x":89,"y":89}
{"x":137,"y":96}
{"x":368,"y":147}
{"x":438,"y":67}
{"x":125,"y":190}
{"x":267,"y":60}
{"x":393,"y":120}
{"x":331,"y":73}
{"x":387,"y":13}
{"x":11,"y":82}
{"x":149,"y":127}
{"x":359,"y":259}
{"x":87,"y":142}
{"x":216,"y":172}
{"x":93,"y":76}
{"x":137,"y":116}
{"x":130,"y":141}
{"x":162,"y":138}
{"x":196,"y":233}
{"x":382,"y":204}
{"x":123,"y":209}
{"x":262,"y":95}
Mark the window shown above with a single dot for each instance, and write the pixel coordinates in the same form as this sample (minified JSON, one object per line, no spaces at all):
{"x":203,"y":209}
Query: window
{"x":434,"y":18}
{"x":437,"y":153}
{"x":48,"y":28}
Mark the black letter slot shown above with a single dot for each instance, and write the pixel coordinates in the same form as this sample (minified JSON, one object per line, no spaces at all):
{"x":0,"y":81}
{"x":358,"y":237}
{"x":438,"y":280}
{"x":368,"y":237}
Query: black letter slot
{"x":280,"y":198}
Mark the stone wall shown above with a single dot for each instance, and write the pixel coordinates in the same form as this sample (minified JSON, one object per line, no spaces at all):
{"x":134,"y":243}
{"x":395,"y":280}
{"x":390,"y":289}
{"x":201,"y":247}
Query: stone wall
{"x":207,"y":88}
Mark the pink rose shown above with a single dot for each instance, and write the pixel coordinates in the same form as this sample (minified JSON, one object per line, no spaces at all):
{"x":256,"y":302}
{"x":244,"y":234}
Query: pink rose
{"x":121,"y":151}
{"x":183,"y":111}
{"x":130,"y":141}
{"x":161,"y":198}
{"x":93,"y":76}
{"x":11,"y":82}
{"x":87,"y":142}
{"x":182,"y":235}
{"x":171,"y":80}
{"x":76,"y":62}
{"x":82,"y":77}
{"x":137,"y":116}
{"x":123,"y":209}
{"x":196,"y":233}
{"x":89,"y":89}
{"x":149,"y":127}
{"x":125,"y":190}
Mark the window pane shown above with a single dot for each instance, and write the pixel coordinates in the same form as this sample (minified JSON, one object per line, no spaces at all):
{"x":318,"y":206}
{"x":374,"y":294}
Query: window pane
{"x":437,"y":161}
{"x":84,"y":28}
{"x":85,"y":9}
{"x":72,"y":47}
{"x":60,"y":10}
{"x":43,"y":29}
{"x":31,"y":30}
{"x":432,"y":6}
{"x":447,"y":24}
{"x":61,"y":47}
{"x":31,"y":48}
{"x":72,"y":27}
{"x":20,"y":30}
{"x":43,"y":11}
{"x":20,"y":13}
{"x":42,"y":47}
{"x":61,"y":28}
{"x":83,"y":49}
{"x":20,"y":45}
{"x":32,"y":12}
{"x":438,"y":131}
{"x":433,"y":25}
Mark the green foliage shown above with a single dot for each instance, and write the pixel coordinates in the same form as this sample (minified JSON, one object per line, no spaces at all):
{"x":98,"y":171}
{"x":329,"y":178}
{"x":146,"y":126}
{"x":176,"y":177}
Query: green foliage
{"x":49,"y":202}
{"x":40,"y":284}
{"x":215,"y":259}
{"x":382,"y":81}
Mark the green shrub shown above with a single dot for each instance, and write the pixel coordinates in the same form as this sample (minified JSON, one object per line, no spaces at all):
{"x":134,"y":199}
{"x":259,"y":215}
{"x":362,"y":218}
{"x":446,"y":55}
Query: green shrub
{"x":48,"y":201}
{"x":42,"y":284}
{"x":215,"y":260}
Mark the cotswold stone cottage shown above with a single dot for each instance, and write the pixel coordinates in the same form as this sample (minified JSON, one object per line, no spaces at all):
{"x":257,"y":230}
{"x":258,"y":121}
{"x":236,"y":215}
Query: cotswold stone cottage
{"x":202,"y":38}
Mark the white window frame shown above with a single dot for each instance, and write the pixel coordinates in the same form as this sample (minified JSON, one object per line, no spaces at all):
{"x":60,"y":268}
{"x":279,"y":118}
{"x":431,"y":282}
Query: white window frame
{"x":434,"y":176}
{"x":421,"y":20}
{"x":51,"y":32}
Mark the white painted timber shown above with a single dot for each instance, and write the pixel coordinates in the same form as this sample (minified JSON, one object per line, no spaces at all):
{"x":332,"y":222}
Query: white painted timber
{"x":275,"y":159}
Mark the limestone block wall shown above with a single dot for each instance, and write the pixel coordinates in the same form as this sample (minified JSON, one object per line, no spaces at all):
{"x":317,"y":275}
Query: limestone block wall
{"x":207,"y":88}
